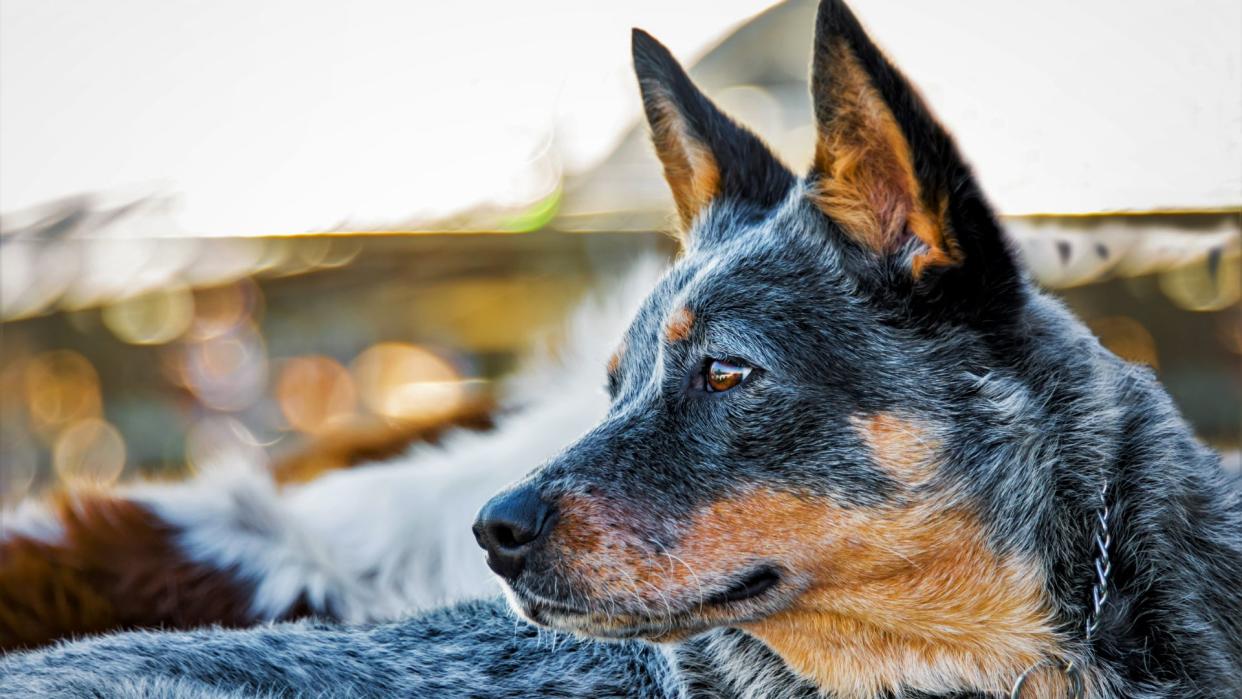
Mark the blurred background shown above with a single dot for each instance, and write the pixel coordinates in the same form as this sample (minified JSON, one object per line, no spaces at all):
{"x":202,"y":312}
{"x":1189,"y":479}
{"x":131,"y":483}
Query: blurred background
{"x":229,"y":230}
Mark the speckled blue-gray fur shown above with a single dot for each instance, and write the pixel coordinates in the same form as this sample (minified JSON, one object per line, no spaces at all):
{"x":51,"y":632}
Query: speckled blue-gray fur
{"x":477,"y":649}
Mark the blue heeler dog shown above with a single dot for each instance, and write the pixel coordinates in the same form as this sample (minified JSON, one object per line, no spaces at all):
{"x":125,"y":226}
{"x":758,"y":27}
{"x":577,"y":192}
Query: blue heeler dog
{"x":851,"y":452}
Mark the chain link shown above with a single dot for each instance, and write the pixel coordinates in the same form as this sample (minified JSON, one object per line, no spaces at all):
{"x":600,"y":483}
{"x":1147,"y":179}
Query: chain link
{"x":1103,"y":565}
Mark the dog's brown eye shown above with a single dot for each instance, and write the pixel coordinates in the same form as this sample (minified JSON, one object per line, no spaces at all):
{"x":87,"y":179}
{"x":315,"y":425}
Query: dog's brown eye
{"x":721,"y":375}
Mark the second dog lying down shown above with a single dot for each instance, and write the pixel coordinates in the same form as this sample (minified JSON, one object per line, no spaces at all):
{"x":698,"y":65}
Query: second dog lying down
{"x":370,"y":543}
{"x":848,"y":451}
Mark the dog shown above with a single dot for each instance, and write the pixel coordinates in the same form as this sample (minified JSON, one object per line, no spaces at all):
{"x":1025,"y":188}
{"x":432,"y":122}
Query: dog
{"x":850,"y":451}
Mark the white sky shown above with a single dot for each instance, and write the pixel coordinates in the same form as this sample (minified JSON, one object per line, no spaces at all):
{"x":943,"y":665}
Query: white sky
{"x":285,"y":117}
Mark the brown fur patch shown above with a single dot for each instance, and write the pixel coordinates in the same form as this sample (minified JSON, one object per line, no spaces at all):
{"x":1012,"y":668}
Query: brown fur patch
{"x":679,"y":324}
{"x":903,"y":447}
{"x":690,"y":168}
{"x":907,"y":596}
{"x":117,"y":567}
{"x":867,"y":180}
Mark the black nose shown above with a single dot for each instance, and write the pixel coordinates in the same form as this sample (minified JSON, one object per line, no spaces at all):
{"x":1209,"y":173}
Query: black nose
{"x":510,"y":526}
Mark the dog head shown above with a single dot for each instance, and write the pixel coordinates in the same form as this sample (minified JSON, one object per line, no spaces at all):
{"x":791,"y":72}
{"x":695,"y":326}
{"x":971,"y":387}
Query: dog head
{"x":784,"y":452}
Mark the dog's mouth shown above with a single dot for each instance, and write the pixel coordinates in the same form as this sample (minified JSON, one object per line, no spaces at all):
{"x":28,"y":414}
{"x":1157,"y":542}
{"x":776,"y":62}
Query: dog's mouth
{"x":751,"y":585}
{"x":745,"y":598}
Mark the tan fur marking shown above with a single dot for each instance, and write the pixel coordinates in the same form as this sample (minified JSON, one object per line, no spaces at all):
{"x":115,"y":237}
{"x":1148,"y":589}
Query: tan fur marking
{"x":868,"y":183}
{"x":899,"y":597}
{"x":680,"y":322}
{"x":691,"y":170}
{"x":614,"y":361}
{"x":905,"y":448}
{"x":908,"y":596}
{"x":915,"y":598}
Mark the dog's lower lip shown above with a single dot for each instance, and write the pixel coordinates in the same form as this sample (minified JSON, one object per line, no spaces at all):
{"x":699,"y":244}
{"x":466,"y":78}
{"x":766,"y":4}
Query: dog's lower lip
{"x":754,"y":584}
{"x":544,"y":604}
{"x":561,"y":608}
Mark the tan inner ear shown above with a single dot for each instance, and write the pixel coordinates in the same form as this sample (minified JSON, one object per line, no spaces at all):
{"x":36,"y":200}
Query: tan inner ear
{"x":867,"y":180}
{"x":689,"y":167}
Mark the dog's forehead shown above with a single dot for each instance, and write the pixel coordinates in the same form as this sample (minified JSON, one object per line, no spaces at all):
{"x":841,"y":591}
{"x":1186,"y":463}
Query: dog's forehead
{"x":702,"y":281}
{"x":739,"y":267}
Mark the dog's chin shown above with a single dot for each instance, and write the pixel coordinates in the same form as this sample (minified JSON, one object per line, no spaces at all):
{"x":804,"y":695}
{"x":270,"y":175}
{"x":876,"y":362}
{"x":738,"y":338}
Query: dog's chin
{"x":747,"y":597}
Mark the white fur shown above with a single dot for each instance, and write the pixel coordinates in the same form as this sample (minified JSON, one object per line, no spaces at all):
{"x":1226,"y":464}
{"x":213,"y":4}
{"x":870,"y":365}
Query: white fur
{"x":30,"y":519}
{"x":377,"y":541}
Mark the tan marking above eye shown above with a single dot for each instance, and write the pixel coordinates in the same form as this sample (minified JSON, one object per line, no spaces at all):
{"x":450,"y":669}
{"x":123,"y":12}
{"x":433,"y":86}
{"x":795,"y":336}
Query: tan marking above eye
{"x":722,"y":376}
{"x":679,"y":324}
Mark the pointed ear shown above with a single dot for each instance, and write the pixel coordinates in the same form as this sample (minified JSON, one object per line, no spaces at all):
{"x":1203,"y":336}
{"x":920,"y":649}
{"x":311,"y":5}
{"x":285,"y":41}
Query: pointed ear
{"x":706,"y":155}
{"x":885,"y":171}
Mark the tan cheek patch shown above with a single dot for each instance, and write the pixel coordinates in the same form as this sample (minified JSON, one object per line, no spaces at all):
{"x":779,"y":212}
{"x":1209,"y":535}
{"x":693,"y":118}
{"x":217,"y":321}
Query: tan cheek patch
{"x":598,"y":550}
{"x":679,"y":325}
{"x":914,"y":597}
{"x":760,"y":525}
{"x":907,"y":596}
{"x":812,"y":536}
{"x":905,"y":448}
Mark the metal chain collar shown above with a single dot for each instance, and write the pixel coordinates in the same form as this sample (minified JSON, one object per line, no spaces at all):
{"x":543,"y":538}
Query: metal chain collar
{"x":1099,"y":596}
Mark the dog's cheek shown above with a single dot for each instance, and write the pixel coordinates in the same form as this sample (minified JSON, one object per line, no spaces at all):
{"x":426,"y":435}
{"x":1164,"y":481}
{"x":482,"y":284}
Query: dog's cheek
{"x":761,"y":526}
{"x":905,"y":448}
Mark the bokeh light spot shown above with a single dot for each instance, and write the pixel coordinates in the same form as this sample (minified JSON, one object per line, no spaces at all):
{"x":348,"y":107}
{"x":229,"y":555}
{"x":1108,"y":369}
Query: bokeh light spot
{"x":60,"y":387}
{"x":19,"y":463}
{"x":1204,"y":286}
{"x":315,"y":394}
{"x":220,"y":309}
{"x":89,"y":452}
{"x":220,"y":441}
{"x":1126,"y":338}
{"x":407,"y":382}
{"x":153,"y":318}
{"x":228,"y":372}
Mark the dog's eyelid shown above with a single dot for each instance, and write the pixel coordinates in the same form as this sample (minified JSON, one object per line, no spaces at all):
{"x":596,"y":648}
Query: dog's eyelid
{"x":730,"y":358}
